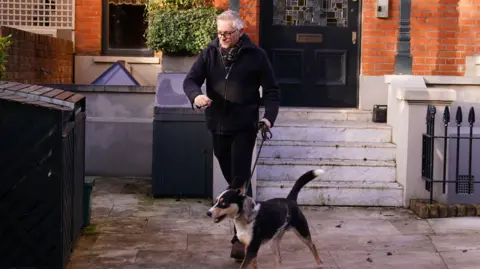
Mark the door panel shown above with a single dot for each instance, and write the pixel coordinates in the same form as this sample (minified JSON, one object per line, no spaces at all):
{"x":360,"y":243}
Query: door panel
{"x":313,"y":48}
{"x":288,"y":65}
{"x":331,"y":67}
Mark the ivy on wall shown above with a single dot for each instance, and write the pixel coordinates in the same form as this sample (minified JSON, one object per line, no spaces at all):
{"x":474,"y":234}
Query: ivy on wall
{"x":5,"y":42}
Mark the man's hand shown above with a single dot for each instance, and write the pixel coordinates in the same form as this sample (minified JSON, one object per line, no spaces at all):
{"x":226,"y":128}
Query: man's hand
{"x":202,"y":100}
{"x":264,"y":127}
{"x":267,"y":122}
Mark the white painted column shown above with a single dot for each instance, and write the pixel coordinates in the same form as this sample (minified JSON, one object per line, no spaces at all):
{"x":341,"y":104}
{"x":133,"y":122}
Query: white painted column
{"x":410,"y":124}
{"x":395,"y":82}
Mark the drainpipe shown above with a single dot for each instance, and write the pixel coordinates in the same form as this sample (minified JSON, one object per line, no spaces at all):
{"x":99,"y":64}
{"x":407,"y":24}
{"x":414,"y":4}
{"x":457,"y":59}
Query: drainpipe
{"x":235,"y":5}
{"x":403,"y":58}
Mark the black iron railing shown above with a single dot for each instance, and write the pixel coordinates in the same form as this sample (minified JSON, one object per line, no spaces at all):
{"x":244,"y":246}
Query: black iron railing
{"x":428,"y":147}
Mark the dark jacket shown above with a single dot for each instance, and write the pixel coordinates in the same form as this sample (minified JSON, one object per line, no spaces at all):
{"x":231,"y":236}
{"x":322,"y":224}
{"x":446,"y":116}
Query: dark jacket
{"x":235,"y":96}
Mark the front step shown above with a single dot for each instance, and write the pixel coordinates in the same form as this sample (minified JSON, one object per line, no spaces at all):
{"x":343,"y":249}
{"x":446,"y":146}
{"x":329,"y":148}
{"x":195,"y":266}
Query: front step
{"x":291,"y":149}
{"x":331,"y":131}
{"x":270,"y":169}
{"x":356,"y":154}
{"x":333,"y":114}
{"x":335,"y":193}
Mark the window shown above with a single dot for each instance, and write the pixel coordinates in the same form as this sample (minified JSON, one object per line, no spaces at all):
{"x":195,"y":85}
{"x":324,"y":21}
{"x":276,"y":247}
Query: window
{"x":123,"y":28}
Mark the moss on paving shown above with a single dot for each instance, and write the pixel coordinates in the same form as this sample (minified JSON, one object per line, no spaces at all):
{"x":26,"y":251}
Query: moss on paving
{"x":90,"y":230}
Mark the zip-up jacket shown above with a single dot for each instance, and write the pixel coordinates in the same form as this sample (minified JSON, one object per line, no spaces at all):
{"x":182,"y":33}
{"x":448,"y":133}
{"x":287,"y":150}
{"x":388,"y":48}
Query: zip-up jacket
{"x":235,"y":94}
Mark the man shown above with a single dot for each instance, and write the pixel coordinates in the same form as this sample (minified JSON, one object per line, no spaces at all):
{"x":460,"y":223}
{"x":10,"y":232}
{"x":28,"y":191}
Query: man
{"x":234,"y":69}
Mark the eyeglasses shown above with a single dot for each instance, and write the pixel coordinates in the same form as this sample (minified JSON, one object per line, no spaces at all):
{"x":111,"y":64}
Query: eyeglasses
{"x":227,"y":34}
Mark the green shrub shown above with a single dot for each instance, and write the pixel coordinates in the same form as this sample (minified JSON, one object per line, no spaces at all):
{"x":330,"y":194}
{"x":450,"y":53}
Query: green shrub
{"x":181,"y":31}
{"x":184,"y":4}
{"x":5,"y":43}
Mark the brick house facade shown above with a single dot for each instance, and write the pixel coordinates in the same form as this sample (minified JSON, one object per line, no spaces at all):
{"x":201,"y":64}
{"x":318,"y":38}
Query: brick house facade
{"x":88,"y":22}
{"x":443,"y":33}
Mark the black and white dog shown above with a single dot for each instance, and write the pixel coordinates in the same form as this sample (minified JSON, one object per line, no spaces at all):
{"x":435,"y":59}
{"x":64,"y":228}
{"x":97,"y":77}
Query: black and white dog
{"x":258,"y":223}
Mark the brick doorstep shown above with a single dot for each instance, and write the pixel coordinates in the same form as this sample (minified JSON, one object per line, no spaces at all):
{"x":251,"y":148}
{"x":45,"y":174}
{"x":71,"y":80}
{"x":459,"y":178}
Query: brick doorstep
{"x":423,"y":209}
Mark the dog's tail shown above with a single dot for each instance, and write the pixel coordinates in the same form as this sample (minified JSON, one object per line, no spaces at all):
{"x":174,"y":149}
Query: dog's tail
{"x":302,"y":181}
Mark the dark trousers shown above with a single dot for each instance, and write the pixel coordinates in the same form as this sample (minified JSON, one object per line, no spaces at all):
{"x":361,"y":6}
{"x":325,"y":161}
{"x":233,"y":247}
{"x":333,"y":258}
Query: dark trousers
{"x":234,"y":154}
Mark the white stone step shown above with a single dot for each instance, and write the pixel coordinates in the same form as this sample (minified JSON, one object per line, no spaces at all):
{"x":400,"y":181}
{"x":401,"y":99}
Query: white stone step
{"x":271,"y":169}
{"x":291,"y":149}
{"x":331,"y":131}
{"x":332,"y":114}
{"x":335,"y":193}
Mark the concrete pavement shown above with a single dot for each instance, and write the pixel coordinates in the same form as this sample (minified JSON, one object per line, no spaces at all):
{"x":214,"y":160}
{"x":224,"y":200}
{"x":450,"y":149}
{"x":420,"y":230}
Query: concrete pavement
{"x":131,"y":230}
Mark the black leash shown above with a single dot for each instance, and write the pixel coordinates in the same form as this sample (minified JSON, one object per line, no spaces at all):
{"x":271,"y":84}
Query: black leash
{"x":266,"y":135}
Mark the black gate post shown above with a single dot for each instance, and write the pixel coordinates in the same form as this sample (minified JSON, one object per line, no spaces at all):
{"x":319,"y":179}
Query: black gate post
{"x":235,"y":5}
{"x":403,"y":58}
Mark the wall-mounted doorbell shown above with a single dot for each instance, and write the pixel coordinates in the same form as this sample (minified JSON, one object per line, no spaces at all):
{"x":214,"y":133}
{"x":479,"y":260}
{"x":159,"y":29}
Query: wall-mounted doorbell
{"x":382,"y":8}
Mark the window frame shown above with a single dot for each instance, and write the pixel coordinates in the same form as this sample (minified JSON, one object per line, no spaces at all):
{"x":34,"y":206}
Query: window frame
{"x":106,"y":51}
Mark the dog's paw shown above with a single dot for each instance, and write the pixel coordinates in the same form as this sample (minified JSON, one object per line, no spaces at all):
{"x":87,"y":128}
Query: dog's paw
{"x":319,"y":261}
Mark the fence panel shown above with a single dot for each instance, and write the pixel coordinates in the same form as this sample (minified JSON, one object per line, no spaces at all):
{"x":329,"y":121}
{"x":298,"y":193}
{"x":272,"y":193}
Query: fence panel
{"x":38,"y":175}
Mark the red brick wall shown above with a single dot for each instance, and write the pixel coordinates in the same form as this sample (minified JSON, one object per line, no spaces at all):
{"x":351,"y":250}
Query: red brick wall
{"x":30,"y":52}
{"x":221,"y":4}
{"x":443,"y":33}
{"x":88,"y":24}
{"x":250,"y":13}
{"x":379,"y":39}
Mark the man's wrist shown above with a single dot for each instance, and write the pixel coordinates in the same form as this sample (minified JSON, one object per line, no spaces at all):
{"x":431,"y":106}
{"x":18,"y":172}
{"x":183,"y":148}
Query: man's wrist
{"x":267,"y":122}
{"x":194,"y":96}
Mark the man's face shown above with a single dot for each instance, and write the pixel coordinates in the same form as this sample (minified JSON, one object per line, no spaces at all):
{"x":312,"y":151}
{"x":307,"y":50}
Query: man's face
{"x":227,"y":34}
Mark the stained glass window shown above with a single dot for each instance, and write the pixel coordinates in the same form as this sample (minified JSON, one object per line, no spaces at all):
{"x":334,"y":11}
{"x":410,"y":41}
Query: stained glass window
{"x":310,"y":12}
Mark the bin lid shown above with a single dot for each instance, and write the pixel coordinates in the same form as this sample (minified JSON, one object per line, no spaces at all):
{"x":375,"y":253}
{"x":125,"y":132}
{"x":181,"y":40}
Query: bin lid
{"x":116,"y":74}
{"x":169,"y":91}
{"x":41,"y":96}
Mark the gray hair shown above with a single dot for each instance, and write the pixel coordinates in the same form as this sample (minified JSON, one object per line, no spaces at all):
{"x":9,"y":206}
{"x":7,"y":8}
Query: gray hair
{"x":233,"y":16}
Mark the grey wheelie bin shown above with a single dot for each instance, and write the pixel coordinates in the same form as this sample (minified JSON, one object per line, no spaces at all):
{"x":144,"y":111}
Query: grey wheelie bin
{"x":182,"y":156}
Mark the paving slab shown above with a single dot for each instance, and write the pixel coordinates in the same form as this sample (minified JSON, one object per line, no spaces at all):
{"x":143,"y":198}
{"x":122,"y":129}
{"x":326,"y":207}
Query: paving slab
{"x":354,"y":227}
{"x":462,"y":259}
{"x":145,"y":241}
{"x":132,"y":230}
{"x":191,"y":259}
{"x":327,"y":242}
{"x":393,"y":260}
{"x":356,"y":213}
{"x":173,"y":211}
{"x":455,"y":225}
{"x":123,"y":225}
{"x":189,"y":225}
{"x":451,"y":242}
{"x":105,"y":258}
{"x":85,"y":244}
{"x":412,"y":226}
{"x":296,"y":259}
{"x":208,"y":242}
